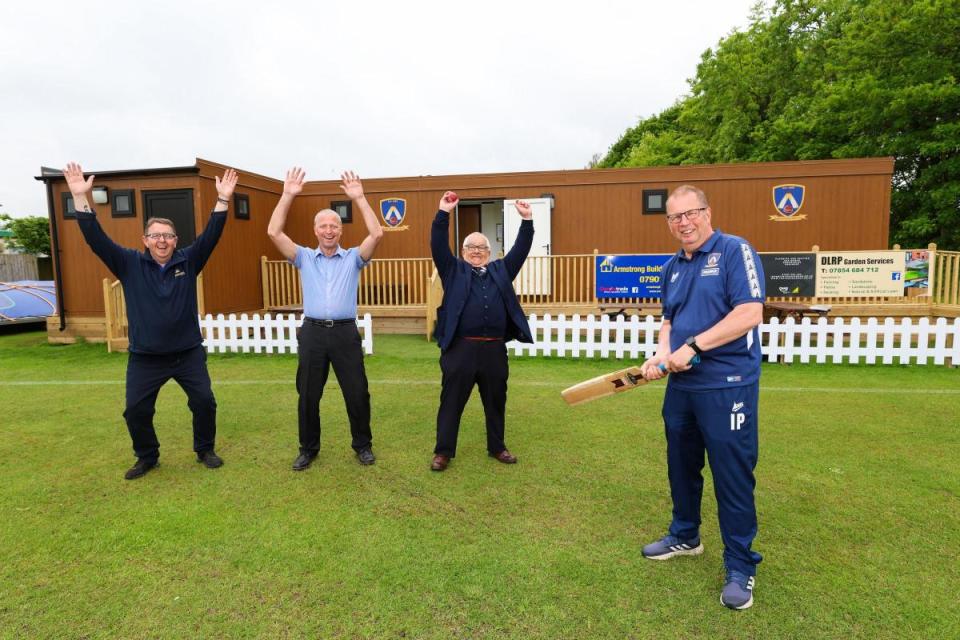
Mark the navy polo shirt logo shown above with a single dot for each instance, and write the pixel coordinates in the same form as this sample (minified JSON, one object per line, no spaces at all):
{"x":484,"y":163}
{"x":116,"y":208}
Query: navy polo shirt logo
{"x":179,"y":272}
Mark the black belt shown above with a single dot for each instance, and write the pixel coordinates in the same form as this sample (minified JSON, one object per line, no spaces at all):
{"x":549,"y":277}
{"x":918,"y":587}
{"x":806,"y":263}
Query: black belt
{"x":329,"y":323}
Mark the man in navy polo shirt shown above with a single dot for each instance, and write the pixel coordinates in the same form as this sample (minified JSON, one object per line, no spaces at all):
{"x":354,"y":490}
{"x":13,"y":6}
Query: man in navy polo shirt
{"x":329,"y":276}
{"x":712,"y":294}
{"x":160,"y":290}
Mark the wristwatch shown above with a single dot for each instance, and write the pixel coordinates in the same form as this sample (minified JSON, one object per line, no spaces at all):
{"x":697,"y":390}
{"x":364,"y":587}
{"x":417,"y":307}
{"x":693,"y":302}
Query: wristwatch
{"x":692,"y":343}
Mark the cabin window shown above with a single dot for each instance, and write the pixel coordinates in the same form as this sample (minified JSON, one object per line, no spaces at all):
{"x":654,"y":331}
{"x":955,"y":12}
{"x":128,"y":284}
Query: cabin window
{"x":123,"y":203}
{"x":241,"y":206}
{"x":344,"y":209}
{"x":654,"y":201}
{"x":69,"y":211}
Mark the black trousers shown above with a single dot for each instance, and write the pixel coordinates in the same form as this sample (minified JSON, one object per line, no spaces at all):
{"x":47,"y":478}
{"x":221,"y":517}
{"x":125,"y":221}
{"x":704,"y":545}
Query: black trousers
{"x":464,"y":364}
{"x":318,"y":348}
{"x":146,"y":374}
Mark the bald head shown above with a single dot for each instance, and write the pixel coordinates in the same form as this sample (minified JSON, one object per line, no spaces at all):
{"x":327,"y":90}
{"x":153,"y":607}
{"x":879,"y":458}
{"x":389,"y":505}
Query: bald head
{"x":326,"y":214}
{"x":476,"y":249}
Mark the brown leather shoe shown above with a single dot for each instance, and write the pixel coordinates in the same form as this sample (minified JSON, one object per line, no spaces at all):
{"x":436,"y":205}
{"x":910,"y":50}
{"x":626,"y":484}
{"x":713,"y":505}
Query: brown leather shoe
{"x":440,"y":462}
{"x":505,"y":457}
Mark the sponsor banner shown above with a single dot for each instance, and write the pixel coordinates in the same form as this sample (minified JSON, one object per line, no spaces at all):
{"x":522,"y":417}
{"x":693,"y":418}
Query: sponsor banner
{"x":917,"y":274}
{"x":790,"y":274}
{"x":860,"y":273}
{"x":629,"y":276}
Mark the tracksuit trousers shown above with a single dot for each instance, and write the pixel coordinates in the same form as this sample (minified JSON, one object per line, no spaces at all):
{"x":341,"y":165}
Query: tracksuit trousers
{"x":723,"y":423}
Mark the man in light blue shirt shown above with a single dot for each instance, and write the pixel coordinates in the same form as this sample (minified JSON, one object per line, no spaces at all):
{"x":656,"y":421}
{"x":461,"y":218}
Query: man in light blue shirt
{"x":329,"y":276}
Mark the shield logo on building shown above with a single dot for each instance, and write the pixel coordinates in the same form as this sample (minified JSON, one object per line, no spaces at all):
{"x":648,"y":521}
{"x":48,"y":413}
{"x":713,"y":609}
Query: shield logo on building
{"x":788,"y":198}
{"x":392,"y":210}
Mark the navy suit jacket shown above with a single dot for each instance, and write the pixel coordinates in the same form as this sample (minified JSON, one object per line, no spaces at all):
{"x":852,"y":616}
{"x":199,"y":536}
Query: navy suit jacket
{"x":455,"y":273}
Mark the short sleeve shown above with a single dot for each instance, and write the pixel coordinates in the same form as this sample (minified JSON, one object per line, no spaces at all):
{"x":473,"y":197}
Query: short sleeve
{"x":745,"y":281}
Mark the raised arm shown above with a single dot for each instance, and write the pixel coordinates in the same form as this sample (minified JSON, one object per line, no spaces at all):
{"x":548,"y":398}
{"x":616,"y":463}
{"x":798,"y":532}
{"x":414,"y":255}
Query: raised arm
{"x":292,"y":186}
{"x":354,"y":190}
{"x":199,"y":252}
{"x":443,"y":258}
{"x":106,"y":249}
{"x":521,"y":246}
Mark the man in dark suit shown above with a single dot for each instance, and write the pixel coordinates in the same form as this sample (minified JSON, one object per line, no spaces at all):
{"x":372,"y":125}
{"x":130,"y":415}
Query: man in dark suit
{"x":479,"y":315}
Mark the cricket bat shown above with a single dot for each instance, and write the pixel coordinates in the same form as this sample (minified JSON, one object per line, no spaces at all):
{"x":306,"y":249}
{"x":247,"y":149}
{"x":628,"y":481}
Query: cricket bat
{"x":608,"y":384}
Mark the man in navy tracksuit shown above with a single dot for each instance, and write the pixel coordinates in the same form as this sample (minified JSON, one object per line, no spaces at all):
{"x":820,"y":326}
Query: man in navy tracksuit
{"x":480,"y":313}
{"x":160,"y":288}
{"x":712,"y":294}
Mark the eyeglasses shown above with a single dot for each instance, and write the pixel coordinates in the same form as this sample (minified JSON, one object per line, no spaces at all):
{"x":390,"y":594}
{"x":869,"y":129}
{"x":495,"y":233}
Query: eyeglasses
{"x":476,"y":247}
{"x":159,"y":236}
{"x":691,"y":215}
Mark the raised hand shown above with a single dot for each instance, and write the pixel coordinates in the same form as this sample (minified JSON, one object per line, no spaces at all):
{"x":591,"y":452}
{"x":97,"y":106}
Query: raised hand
{"x":77,"y":185}
{"x":293,"y":183}
{"x":351,"y":185}
{"x":227,"y":184}
{"x":449,"y":201}
{"x":524,"y":209}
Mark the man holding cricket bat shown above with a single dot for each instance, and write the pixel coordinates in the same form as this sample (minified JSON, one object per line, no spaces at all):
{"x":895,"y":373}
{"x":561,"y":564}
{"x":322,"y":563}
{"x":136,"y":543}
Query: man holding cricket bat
{"x":712,"y":294}
{"x":480,"y":313}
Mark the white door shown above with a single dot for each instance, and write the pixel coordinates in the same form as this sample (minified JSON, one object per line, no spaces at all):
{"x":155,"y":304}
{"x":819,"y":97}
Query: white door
{"x":534,"y":278}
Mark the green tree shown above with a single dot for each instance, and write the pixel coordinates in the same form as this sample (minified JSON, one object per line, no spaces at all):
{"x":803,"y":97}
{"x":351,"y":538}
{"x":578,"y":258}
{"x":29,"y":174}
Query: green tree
{"x":816,"y":79}
{"x":32,"y":234}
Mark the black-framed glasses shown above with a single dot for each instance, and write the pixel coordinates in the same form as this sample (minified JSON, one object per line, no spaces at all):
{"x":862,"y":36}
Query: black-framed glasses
{"x":160,"y":236}
{"x":476,"y":247}
{"x":691,"y":214}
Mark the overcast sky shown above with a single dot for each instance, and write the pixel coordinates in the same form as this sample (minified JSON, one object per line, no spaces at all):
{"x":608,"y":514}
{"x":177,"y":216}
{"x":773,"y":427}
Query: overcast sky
{"x":384,"y":88}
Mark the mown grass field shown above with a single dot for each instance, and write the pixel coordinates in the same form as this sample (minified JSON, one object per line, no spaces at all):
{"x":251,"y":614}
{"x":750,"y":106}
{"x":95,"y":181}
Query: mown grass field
{"x":858,"y":496}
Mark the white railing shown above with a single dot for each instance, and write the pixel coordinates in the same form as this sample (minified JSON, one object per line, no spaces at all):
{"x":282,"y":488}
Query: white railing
{"x":267,"y":334}
{"x":871,"y":342}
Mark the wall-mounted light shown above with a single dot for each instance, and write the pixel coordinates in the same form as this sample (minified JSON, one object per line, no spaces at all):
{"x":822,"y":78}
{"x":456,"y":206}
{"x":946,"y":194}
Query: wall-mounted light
{"x":100,"y":195}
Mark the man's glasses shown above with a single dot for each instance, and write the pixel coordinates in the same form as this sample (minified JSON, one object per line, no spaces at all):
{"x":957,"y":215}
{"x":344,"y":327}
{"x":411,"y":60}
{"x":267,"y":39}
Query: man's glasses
{"x":160,"y":236}
{"x":476,"y":247}
{"x":691,"y":215}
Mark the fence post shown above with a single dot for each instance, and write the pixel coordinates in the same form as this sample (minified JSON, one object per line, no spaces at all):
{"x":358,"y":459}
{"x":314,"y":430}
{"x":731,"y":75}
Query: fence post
{"x":108,"y":314}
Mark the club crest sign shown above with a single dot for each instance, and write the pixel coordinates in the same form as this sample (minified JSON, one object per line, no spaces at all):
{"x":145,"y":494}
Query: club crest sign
{"x":393,"y":211}
{"x":788,"y":200}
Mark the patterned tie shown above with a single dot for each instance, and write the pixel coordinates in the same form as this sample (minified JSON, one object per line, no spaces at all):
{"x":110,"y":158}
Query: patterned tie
{"x":480,"y":271}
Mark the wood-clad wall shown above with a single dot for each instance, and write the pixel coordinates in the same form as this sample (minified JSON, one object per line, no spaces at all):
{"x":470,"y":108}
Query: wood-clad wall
{"x":847,"y":205}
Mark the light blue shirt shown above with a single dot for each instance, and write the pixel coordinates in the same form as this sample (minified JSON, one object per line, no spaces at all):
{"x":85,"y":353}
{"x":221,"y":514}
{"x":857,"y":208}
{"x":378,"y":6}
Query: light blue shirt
{"x":329,"y":283}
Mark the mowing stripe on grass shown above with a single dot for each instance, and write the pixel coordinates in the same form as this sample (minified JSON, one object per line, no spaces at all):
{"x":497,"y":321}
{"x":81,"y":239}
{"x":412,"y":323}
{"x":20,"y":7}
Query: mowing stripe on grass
{"x":521,"y":383}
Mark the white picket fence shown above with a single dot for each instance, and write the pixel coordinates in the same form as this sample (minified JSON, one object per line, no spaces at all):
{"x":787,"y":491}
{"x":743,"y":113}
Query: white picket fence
{"x":871,"y":342}
{"x":267,"y":334}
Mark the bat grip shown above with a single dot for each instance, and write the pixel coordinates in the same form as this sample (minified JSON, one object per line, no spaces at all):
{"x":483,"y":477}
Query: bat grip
{"x":694,"y":360}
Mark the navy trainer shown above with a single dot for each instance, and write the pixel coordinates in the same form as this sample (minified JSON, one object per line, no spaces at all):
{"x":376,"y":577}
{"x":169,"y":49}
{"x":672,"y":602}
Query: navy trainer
{"x":670,"y":546}
{"x":738,"y":591}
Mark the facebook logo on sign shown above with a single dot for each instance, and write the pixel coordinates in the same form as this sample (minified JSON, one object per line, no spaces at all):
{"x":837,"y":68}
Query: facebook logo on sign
{"x":895,"y":275}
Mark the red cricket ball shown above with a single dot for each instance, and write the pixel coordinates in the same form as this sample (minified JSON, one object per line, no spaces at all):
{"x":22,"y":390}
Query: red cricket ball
{"x":451,"y":197}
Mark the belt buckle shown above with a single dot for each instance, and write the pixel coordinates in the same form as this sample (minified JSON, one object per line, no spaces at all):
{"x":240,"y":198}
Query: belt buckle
{"x":327,"y":323}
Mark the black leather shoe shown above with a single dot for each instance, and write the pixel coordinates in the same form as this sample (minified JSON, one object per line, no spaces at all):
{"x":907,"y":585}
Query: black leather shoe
{"x":210,"y":459}
{"x":303,"y":461}
{"x":140,"y":469}
{"x":366,"y":456}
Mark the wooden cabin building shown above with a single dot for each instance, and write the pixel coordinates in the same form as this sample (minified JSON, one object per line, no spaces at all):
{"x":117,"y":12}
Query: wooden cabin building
{"x":845,"y":206}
